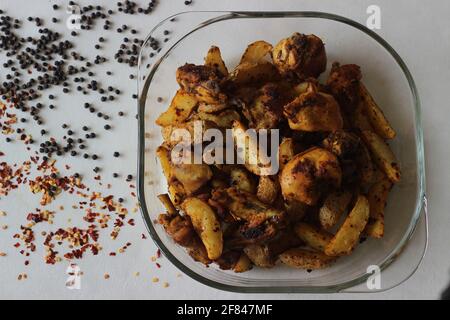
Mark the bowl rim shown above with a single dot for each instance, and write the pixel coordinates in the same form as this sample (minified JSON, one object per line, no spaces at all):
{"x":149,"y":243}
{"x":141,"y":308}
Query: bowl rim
{"x":421,"y":198}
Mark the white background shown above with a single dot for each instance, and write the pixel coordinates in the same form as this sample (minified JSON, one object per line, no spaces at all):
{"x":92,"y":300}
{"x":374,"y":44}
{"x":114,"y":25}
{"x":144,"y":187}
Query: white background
{"x":419,"y":32}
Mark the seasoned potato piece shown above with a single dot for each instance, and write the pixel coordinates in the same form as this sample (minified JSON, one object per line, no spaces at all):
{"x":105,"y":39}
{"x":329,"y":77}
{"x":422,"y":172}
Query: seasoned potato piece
{"x":268,"y":189}
{"x":259,"y":255}
{"x":243,"y":264}
{"x":264,"y":255}
{"x":192,"y":176}
{"x":246,"y":206}
{"x":343,"y":83}
{"x":382,"y":155}
{"x":212,"y":108}
{"x":360,"y":119}
{"x":179,"y":110}
{"x":376,"y":116}
{"x":314,"y":111}
{"x":267,"y":109}
{"x":254,"y":73}
{"x":348,"y":234}
{"x":165,"y":200}
{"x":180,"y":229}
{"x":176,"y":189}
{"x":312,"y":236}
{"x":241,"y":179}
{"x":223,"y":119}
{"x":334,"y":206}
{"x":206,"y":225}
{"x":249,"y":145}
{"x":377,"y":197}
{"x":301,"y":55}
{"x":286,"y":151}
{"x":170,"y":139}
{"x":306,"y":259}
{"x":202,"y":81}
{"x":308,"y":174}
{"x":214,"y":60}
{"x":295,"y":210}
{"x":256,"y":52}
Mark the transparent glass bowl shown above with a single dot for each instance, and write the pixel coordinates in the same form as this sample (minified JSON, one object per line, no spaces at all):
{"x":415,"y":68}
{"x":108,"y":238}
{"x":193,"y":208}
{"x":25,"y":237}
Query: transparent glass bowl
{"x":191,"y":34}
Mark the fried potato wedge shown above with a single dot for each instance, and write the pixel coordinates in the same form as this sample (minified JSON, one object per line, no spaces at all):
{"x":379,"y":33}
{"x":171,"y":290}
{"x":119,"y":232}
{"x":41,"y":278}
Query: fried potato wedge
{"x":334,"y":206}
{"x":256,"y":52}
{"x":255,"y":161}
{"x":382,"y":155}
{"x":206,"y":225}
{"x":176,"y":189}
{"x":348,"y":234}
{"x":192,"y":176}
{"x":306,"y":259}
{"x":268,"y":189}
{"x":254,"y":73}
{"x":214,"y":60}
{"x":360,"y":119}
{"x":223,"y":119}
{"x":377,"y":197}
{"x":312,"y":236}
{"x":376,"y":116}
{"x":241,"y":179}
{"x":179,"y":110}
{"x":167,"y":203}
{"x":286,"y":151}
{"x":243,"y":264}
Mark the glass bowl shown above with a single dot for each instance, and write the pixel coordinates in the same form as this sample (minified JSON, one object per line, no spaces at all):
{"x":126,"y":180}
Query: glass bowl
{"x":190,"y":35}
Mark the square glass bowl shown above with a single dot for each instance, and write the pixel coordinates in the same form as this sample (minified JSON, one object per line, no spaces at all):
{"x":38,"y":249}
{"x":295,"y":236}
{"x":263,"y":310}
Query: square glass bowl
{"x":187,"y":39}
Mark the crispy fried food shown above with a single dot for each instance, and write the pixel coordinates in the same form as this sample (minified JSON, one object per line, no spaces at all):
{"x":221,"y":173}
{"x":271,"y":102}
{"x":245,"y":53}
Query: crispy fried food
{"x":268,"y":189}
{"x":315,"y":238}
{"x":306,"y":259}
{"x":206,"y":225}
{"x":300,"y":55}
{"x":376,"y":116}
{"x":201,"y":81}
{"x":334,"y":206}
{"x":314,"y":111}
{"x":345,"y":240}
{"x":180,"y":229}
{"x":331,"y":153}
{"x":309,"y":174}
{"x":382,"y":155}
{"x":214,"y":60}
{"x":267,"y":110}
{"x":343,"y":83}
{"x":179,"y":110}
{"x":377,"y":197}
{"x":256,"y":52}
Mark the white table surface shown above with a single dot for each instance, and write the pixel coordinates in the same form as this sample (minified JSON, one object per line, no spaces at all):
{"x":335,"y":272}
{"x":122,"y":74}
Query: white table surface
{"x":419,"y":32}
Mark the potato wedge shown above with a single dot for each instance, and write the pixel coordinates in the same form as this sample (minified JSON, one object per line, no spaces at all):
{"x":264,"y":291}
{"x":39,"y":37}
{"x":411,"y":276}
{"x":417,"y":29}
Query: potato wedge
{"x":285,"y":151}
{"x":377,"y":197}
{"x":312,"y":236}
{"x":243,"y":264}
{"x":179,"y":110}
{"x":253,"y":159}
{"x":306,"y":259}
{"x":268,"y":189}
{"x":334,"y":206}
{"x":214,"y":60}
{"x":259,"y":255}
{"x":382,"y":155}
{"x":360,"y":119}
{"x":348,"y":234}
{"x":254,"y":73}
{"x":241,"y":179}
{"x":376,"y":116}
{"x":256,"y":52}
{"x":223,"y":119}
{"x":192,"y":176}
{"x":167,"y":203}
{"x":206,"y":225}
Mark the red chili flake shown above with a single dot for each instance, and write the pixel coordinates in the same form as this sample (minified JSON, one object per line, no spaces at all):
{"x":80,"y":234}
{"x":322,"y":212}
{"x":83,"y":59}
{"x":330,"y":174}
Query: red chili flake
{"x":158,"y":265}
